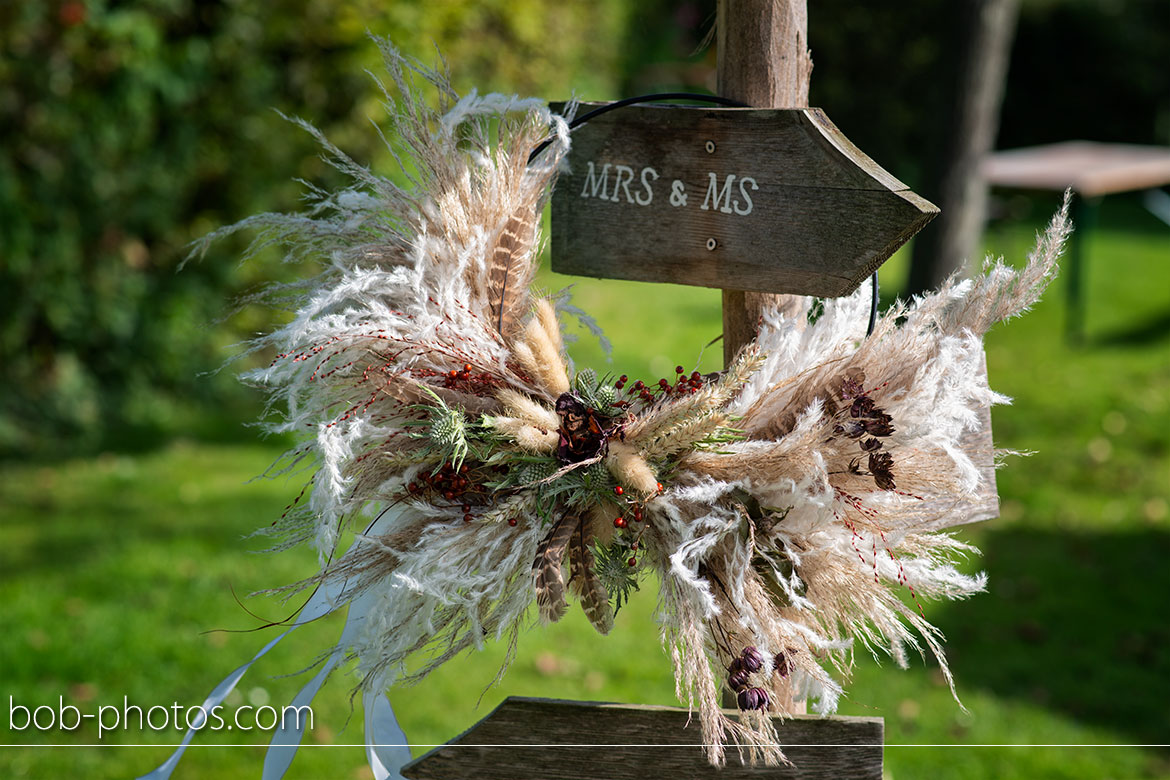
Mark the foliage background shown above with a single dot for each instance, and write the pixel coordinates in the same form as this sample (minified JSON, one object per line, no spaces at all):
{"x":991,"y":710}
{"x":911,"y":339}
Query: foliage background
{"x":128,"y":129}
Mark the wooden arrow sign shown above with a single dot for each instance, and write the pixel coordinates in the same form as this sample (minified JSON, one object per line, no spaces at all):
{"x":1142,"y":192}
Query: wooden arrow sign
{"x":766,"y":200}
{"x":546,"y":739}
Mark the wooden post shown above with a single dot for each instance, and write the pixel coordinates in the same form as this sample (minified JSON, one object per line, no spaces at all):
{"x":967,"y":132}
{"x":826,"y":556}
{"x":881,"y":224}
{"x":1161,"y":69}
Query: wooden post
{"x":652,"y":195}
{"x":764,"y":61}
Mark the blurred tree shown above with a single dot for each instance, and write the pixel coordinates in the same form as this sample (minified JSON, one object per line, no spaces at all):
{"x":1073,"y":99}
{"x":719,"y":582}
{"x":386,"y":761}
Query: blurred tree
{"x":969,"y":127}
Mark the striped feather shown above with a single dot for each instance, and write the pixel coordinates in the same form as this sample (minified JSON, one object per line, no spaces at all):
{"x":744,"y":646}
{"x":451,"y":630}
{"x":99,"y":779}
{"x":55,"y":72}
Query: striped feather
{"x":509,"y":270}
{"x":586,"y":585}
{"x":547,"y":577}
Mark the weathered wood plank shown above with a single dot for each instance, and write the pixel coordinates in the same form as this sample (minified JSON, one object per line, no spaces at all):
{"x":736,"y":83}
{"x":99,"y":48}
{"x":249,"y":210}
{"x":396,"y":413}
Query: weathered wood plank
{"x":746,"y":199}
{"x":526,"y":739}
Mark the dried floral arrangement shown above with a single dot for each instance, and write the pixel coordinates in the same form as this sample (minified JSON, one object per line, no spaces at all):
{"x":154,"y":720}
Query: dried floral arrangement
{"x":785,"y":504}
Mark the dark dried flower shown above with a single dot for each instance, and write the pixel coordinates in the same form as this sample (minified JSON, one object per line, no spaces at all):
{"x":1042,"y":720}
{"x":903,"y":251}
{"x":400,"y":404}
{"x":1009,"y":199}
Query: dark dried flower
{"x":863,"y":406}
{"x":780,"y":665}
{"x":851,"y":388}
{"x":752,"y":660}
{"x":753,"y":699}
{"x":852,"y":428}
{"x":878,"y":426}
{"x":737,"y":680}
{"x":870,"y":445}
{"x":880,"y":466}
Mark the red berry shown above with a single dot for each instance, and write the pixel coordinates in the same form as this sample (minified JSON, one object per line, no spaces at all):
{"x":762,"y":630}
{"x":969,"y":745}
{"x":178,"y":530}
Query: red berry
{"x":639,"y":385}
{"x":660,"y":488}
{"x":452,"y":373}
{"x":678,"y":369}
{"x":467,"y":367}
{"x":619,"y":522}
{"x":512,"y":521}
{"x":412,"y":487}
{"x":449,"y":495}
{"x":663,"y":383}
{"x":637,"y":514}
{"x":467,"y":517}
{"x":696,"y":376}
{"x":619,"y":490}
{"x":623,"y":378}
{"x":632,"y":561}
{"x":465,"y":508}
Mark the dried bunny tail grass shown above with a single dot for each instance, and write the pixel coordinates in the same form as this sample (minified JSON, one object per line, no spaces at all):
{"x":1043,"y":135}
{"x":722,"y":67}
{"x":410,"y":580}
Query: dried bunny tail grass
{"x":527,"y":436}
{"x":540,"y":351}
{"x":524,"y":408}
{"x":630,"y":469}
{"x":547,"y":315}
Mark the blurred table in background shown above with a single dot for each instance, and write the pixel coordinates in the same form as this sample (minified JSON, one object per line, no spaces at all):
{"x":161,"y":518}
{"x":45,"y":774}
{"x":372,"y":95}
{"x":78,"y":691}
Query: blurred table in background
{"x":1092,"y":170}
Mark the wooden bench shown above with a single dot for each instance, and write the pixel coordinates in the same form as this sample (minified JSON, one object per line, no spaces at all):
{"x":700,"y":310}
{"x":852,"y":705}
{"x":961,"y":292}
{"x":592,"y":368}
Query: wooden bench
{"x":1092,"y":170}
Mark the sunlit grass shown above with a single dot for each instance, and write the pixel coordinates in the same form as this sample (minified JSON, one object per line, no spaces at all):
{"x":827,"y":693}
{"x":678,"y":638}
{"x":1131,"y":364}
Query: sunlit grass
{"x":114,"y":569}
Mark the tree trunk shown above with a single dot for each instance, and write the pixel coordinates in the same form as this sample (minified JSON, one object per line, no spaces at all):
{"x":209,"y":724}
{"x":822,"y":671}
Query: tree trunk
{"x":957,"y":185}
{"x":764,"y":61}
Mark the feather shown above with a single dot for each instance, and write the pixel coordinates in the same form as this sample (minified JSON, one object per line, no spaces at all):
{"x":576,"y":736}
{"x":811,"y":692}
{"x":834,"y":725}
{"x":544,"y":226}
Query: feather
{"x":548,"y":579}
{"x":507,"y":280}
{"x":584,"y":582}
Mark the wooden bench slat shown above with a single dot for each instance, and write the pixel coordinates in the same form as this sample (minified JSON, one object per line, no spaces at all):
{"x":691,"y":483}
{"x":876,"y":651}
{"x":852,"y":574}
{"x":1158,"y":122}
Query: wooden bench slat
{"x":527,"y":738}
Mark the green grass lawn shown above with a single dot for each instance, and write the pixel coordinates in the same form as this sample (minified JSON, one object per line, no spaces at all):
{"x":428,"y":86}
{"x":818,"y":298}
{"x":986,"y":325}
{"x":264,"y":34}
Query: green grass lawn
{"x":117,"y":572}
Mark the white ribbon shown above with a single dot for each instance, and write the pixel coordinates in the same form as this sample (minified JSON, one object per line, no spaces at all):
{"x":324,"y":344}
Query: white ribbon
{"x":386,"y":746}
{"x":322,"y":602}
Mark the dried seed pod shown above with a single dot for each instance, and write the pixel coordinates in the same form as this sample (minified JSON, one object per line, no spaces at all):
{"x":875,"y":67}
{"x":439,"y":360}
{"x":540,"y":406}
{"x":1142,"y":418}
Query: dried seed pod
{"x":737,"y":680}
{"x":780,"y":665}
{"x":753,"y":699}
{"x":751,"y":659}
